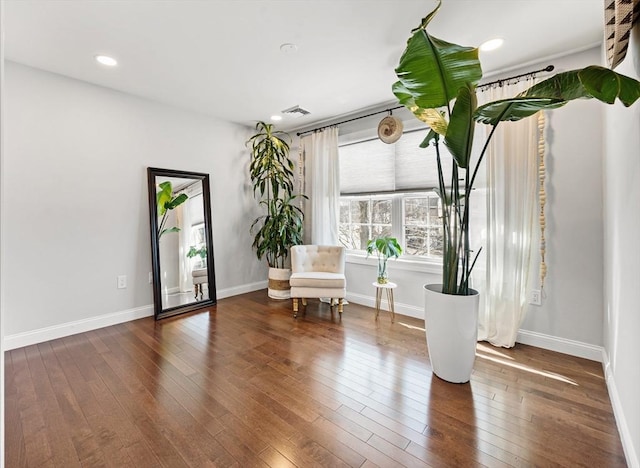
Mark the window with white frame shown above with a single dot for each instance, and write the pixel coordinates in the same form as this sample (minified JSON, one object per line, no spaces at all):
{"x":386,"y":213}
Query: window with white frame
{"x":388,"y":190}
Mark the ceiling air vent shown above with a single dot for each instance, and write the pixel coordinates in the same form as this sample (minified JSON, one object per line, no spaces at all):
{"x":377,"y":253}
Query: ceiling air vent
{"x":296,"y":111}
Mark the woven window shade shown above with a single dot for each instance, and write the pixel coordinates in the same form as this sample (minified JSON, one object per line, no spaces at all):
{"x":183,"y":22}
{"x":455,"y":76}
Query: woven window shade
{"x":367,"y":167}
{"x":375,"y":167}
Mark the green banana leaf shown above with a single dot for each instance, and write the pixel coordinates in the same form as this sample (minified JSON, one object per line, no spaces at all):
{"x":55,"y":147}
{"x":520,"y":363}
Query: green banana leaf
{"x":168,"y":230}
{"x":165,"y":199}
{"x":431,"y":71}
{"x":459,"y":137}
{"x":514,"y":109}
{"x":163,"y":196}
{"x":590,"y":82}
{"x":431,"y":136}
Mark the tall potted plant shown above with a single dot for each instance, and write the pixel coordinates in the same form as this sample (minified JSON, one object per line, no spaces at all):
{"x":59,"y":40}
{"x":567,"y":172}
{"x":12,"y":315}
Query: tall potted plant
{"x":281,"y":226}
{"x":436,"y":82}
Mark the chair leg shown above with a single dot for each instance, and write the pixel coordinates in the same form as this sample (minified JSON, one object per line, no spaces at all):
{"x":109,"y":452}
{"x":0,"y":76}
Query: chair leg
{"x":304,"y":301}
{"x":295,"y":307}
{"x":340,"y":301}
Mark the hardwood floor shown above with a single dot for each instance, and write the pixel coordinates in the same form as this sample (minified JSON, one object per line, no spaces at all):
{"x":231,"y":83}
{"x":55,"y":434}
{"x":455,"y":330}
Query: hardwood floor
{"x":243,"y":384}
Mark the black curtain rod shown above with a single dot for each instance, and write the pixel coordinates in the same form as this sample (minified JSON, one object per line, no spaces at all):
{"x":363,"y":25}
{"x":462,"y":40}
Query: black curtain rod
{"x":548,"y":68}
{"x":390,"y":110}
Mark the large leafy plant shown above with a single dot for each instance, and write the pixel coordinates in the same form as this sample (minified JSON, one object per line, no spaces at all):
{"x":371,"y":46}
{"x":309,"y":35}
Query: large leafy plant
{"x":436,"y":82}
{"x":272,"y":177}
{"x":166,"y":201}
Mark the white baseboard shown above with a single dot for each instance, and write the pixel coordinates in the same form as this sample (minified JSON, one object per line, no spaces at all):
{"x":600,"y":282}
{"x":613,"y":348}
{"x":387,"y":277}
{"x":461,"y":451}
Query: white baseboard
{"x":71,"y":328}
{"x":621,"y":421}
{"x":561,"y":345}
{"x":53,"y":332}
{"x":400,"y":308}
{"x":244,"y":288}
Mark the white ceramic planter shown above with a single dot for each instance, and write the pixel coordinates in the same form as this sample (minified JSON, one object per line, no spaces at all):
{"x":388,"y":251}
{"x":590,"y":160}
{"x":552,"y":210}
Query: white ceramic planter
{"x":451,"y":326}
{"x":279,"y":287}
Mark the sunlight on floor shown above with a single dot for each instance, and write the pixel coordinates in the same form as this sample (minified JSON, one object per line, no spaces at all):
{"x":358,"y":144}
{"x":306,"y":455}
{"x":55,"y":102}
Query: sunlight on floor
{"x":597,"y":376}
{"x":413,"y":327}
{"x":490,"y":353}
{"x":515,"y":365}
{"x":491,"y":350}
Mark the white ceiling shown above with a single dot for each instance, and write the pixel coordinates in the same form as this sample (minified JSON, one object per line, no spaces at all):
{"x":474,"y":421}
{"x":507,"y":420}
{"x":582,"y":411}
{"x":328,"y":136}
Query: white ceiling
{"x":222,"y":57}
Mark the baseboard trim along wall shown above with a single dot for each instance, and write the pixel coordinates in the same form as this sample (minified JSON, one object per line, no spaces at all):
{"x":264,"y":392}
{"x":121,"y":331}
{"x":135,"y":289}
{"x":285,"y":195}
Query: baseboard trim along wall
{"x":621,"y":421}
{"x":71,"y":328}
{"x":561,"y":345}
{"x":244,"y":288}
{"x":53,"y":332}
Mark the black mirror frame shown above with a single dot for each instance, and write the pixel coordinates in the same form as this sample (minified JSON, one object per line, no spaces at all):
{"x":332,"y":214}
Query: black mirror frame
{"x":159,"y":312}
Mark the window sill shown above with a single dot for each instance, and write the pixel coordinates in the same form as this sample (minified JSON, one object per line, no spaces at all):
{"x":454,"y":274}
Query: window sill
{"x":420,"y":265}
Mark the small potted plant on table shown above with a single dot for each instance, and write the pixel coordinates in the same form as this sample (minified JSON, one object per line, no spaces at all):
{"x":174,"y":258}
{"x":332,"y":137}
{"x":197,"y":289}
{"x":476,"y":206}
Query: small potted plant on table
{"x":385,"y":248}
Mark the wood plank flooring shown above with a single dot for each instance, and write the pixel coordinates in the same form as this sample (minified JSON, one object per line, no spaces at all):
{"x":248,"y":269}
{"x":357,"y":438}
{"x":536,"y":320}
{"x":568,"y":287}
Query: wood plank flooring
{"x":243,"y":384}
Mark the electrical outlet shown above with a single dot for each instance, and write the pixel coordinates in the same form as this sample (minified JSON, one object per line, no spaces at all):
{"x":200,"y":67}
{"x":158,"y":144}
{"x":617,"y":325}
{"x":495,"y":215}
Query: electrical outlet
{"x":122,"y":281}
{"x":536,"y":297}
{"x":150,"y":277}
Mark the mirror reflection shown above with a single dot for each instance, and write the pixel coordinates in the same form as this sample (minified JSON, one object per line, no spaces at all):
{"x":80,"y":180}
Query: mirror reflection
{"x":183,"y":276}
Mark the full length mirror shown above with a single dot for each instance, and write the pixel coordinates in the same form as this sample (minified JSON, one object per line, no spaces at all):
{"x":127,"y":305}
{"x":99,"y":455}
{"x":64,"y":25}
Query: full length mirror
{"x":181,"y":241}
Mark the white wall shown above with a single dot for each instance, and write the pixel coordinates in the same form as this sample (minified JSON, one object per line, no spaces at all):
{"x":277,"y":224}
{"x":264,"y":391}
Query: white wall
{"x":2,"y":226}
{"x":570,"y":318}
{"x":573,"y":295}
{"x":622,"y":259}
{"x":76,"y":206}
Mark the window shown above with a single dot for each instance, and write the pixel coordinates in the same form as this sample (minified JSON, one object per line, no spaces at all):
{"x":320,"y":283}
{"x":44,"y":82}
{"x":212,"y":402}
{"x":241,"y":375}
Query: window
{"x":363,"y":218}
{"x":388,"y":190}
{"x":422,"y":225}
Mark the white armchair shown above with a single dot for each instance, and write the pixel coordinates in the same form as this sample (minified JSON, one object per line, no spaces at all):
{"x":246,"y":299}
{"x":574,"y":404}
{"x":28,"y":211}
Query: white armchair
{"x":317,"y":271}
{"x":200,"y":277}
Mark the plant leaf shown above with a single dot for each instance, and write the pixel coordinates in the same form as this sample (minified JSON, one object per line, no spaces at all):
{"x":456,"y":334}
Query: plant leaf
{"x":433,"y":118}
{"x":163,"y":196}
{"x":606,"y":85}
{"x":459,"y":137}
{"x":565,"y":86}
{"x":590,"y":82}
{"x":168,"y":230}
{"x":514,"y":109}
{"x":431,"y":136}
{"x":177,"y":201}
{"x":432,"y":70}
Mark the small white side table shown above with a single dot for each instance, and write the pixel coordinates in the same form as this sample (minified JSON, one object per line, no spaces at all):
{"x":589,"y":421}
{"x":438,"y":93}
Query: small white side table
{"x":388,"y":287}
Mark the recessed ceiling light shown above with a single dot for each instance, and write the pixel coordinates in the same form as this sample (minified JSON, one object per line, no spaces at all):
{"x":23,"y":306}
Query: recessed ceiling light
{"x":106,"y":60}
{"x":288,"y":48}
{"x":491,"y":44}
{"x":276,"y":118}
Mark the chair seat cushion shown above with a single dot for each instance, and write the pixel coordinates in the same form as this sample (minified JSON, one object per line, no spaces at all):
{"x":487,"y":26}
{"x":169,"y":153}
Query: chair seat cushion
{"x":199,"y":272}
{"x":318,"y":279}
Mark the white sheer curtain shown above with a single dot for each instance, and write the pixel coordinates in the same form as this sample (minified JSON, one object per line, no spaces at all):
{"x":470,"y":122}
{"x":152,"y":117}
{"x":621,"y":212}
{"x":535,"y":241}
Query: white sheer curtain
{"x":184,"y":238}
{"x":189,"y":214}
{"x":322,"y":171}
{"x":512,"y":175}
